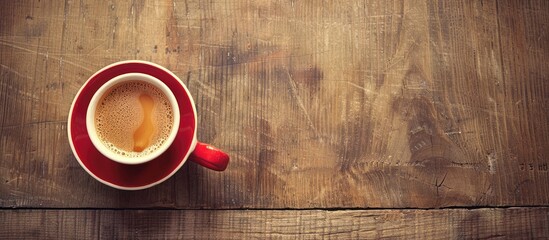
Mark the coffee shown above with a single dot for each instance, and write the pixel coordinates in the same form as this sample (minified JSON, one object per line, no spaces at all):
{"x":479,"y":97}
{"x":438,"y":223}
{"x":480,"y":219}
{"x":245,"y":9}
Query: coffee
{"x":133,"y":118}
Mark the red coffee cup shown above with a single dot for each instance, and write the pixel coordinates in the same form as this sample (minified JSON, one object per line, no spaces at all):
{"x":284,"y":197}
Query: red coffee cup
{"x":119,"y":173}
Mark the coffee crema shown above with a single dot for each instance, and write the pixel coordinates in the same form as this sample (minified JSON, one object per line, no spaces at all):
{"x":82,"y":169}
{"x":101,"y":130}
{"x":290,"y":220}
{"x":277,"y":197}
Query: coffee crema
{"x":133,"y":119}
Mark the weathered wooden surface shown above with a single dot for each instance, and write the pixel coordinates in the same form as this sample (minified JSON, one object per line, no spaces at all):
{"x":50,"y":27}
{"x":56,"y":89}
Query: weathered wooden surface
{"x":320,"y":104}
{"x":514,"y":223}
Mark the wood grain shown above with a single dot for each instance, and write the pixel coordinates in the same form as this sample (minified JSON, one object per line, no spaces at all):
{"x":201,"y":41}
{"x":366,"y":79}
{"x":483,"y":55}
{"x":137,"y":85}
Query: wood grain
{"x":513,"y":223}
{"x":386,"y":104}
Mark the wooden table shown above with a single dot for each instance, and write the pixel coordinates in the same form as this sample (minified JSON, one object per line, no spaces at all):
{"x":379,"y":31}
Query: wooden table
{"x":344,"y":119}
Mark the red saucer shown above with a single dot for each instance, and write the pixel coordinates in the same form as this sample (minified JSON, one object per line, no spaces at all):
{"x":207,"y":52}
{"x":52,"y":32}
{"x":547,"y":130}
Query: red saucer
{"x":122,"y":176}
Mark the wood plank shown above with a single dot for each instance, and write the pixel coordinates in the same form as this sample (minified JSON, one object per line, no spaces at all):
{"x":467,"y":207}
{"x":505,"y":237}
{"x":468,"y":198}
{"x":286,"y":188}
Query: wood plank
{"x":513,"y":223}
{"x":521,"y":99}
{"x":355,"y":104}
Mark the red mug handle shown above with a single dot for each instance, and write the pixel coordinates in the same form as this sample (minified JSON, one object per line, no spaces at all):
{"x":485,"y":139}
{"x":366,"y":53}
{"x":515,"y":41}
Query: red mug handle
{"x":210,"y":157}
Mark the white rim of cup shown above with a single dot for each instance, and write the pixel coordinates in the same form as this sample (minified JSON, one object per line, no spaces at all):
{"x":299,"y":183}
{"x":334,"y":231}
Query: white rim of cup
{"x":90,"y":117}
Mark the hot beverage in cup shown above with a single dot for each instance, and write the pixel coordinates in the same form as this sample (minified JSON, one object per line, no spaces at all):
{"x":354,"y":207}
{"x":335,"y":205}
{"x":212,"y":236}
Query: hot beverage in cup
{"x":133,"y":124}
{"x":133,"y":118}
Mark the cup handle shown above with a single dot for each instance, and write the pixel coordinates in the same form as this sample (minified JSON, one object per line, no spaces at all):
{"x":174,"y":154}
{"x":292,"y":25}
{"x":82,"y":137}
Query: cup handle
{"x":210,"y":157}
